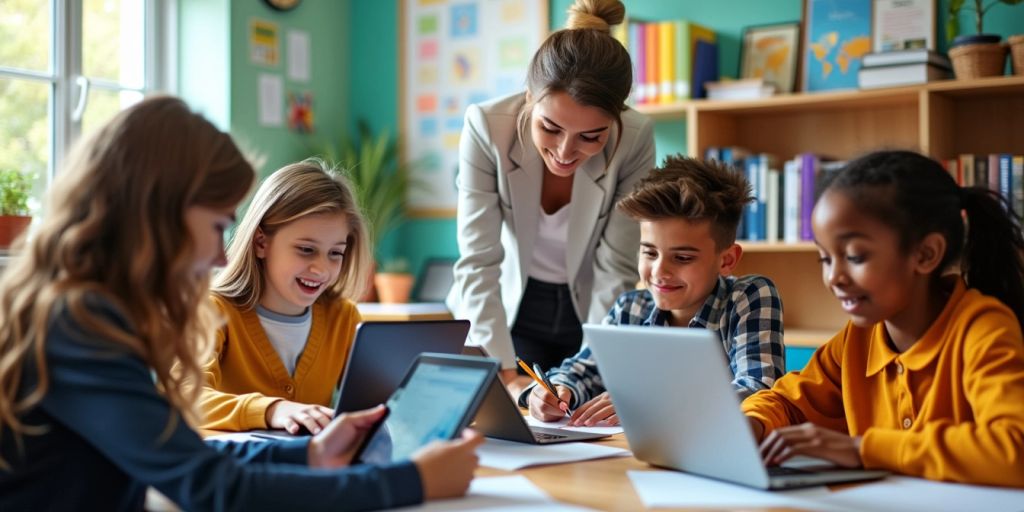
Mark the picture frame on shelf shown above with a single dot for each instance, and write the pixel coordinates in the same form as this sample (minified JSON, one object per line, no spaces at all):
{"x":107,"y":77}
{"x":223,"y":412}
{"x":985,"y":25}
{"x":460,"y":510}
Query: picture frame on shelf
{"x":903,"y":25}
{"x":836,"y":37}
{"x":771,"y":52}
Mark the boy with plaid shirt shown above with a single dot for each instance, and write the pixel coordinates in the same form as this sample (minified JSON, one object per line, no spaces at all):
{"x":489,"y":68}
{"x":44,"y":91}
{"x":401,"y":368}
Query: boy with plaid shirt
{"x":688,"y":212}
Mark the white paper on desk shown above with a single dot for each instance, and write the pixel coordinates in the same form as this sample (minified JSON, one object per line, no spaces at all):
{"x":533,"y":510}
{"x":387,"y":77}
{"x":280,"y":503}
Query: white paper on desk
{"x":237,"y":437}
{"x":676,"y":489}
{"x":901,"y":493}
{"x":534,"y":422}
{"x":496,"y":453}
{"x":500,"y":493}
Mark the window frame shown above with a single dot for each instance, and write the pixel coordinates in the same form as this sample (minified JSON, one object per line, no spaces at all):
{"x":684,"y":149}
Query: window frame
{"x":69,"y":87}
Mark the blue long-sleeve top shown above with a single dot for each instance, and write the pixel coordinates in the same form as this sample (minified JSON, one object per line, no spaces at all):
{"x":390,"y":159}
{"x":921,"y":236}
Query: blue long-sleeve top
{"x":103,"y":446}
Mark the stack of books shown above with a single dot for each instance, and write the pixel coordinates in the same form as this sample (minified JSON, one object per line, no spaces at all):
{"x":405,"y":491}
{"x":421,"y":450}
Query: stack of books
{"x":747,"y":88}
{"x":904,"y":67}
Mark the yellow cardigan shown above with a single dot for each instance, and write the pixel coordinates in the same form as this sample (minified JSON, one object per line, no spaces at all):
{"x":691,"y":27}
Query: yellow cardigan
{"x":949,"y":408}
{"x":246,"y":374}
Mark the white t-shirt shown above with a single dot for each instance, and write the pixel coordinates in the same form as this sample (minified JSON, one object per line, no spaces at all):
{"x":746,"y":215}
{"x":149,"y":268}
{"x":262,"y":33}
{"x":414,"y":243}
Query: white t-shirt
{"x":288,"y":334}
{"x":548,"y":263}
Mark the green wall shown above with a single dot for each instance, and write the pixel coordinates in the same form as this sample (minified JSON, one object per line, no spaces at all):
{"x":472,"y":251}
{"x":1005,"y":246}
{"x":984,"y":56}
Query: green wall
{"x":217,"y":77}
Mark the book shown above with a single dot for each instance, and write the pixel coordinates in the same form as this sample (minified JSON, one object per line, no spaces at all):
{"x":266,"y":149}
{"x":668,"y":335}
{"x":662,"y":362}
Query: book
{"x":705,"y":67}
{"x":902,"y":74}
{"x":1017,"y":180}
{"x":748,"y":88}
{"x":637,"y":51}
{"x":915,"y":56}
{"x":791,"y":201}
{"x":687,"y":34}
{"x":666,"y":61}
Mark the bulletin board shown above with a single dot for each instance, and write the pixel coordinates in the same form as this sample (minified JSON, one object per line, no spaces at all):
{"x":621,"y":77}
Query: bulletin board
{"x":455,"y":53}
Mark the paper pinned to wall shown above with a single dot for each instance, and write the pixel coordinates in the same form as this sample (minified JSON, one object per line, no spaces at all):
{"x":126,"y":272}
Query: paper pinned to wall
{"x":298,"y":55}
{"x":271,"y":100}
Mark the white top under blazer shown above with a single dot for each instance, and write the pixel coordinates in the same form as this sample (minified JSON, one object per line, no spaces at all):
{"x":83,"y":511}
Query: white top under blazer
{"x":499,"y":182}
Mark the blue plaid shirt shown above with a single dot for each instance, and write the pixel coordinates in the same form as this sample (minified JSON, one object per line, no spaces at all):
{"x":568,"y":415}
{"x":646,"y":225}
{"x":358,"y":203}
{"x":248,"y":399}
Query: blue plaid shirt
{"x":746,"y":312}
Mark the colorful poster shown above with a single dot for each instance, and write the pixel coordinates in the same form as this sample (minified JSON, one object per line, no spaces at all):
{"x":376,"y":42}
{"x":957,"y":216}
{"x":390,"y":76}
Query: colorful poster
{"x":263,"y":43}
{"x":838,"y":36}
{"x":456,"y":53}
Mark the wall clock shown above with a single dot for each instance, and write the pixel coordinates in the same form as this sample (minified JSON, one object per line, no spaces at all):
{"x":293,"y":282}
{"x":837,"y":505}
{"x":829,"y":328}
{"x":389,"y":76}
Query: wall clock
{"x":282,"y":5}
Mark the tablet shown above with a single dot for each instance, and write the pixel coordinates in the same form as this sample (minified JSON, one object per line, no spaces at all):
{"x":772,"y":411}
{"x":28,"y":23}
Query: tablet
{"x":438,"y":397}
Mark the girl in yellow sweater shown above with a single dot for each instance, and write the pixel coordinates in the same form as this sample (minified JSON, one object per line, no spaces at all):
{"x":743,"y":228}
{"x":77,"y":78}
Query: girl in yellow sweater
{"x":927,"y":378}
{"x":299,"y":252}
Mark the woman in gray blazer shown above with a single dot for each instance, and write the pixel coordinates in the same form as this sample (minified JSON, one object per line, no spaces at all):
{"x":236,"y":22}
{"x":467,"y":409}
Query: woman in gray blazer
{"x":541,"y":246}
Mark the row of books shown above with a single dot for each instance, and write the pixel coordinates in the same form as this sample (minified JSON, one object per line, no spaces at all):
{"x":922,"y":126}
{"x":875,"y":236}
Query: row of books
{"x":904,"y":67}
{"x":1001,"y":172}
{"x":784,"y":195}
{"x":671,"y":59}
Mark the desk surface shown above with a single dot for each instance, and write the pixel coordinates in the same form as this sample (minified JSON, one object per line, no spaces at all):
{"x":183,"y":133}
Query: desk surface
{"x":599,"y":484}
{"x":375,"y":311}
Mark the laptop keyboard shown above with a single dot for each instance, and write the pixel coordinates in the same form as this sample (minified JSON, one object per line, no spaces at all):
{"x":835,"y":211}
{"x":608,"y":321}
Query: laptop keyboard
{"x":785,"y":471}
{"x":540,"y":436}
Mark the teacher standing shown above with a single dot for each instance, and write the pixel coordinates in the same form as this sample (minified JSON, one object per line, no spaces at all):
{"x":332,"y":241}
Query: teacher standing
{"x":541,"y":245}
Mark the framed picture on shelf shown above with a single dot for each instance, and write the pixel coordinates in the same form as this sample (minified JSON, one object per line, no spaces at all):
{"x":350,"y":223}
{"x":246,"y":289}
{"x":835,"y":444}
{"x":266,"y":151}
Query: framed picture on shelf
{"x":903,"y":25}
{"x":771,"y":52}
{"x":455,"y":53}
{"x":837,"y":35}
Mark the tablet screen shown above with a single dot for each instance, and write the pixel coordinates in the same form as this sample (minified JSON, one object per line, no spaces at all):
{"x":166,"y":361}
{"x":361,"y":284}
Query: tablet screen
{"x":432,"y":404}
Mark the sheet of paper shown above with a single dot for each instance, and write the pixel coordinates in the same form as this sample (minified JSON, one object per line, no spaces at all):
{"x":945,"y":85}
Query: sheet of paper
{"x":500,"y":493}
{"x":900,"y":493}
{"x":534,"y":422}
{"x":676,"y":489}
{"x":496,"y":453}
{"x":271,"y":100}
{"x":298,"y":55}
{"x":256,"y":435}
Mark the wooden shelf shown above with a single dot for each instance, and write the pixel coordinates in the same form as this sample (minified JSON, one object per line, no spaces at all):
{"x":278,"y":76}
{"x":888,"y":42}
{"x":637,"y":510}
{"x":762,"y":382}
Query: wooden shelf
{"x":749,"y":247}
{"x":665,"y":111}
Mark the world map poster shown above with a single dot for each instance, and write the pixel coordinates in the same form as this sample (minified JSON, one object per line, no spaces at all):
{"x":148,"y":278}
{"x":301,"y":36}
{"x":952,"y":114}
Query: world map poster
{"x":838,"y":36}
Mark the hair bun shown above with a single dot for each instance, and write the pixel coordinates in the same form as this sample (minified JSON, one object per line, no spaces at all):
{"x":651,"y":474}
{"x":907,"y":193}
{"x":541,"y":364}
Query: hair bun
{"x":595,"y":14}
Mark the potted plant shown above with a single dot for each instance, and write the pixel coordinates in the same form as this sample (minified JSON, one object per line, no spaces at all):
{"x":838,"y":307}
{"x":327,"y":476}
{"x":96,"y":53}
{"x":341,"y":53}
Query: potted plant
{"x":394,"y":282}
{"x":380,"y":178}
{"x":15,"y":187}
{"x":975,"y":55}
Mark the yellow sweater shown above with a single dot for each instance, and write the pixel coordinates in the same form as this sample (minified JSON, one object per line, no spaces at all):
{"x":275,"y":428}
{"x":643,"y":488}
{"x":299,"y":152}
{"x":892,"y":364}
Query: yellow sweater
{"x":246,"y":375}
{"x":949,"y":408}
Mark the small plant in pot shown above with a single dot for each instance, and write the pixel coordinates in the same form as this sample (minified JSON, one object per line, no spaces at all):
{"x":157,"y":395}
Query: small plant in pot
{"x":394,"y":282}
{"x":975,"y":55}
{"x":15,"y":187}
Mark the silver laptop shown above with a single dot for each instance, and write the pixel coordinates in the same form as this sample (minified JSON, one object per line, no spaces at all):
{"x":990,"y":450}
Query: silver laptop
{"x":499,"y":417}
{"x":672,"y":392}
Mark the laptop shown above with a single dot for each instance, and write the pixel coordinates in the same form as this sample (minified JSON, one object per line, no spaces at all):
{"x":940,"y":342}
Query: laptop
{"x":673,"y":394}
{"x":499,"y":417}
{"x":434,"y":280}
{"x":383,"y":351}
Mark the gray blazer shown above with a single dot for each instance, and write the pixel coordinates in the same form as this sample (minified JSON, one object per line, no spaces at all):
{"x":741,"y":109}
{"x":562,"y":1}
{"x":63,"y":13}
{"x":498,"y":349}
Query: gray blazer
{"x":499,"y":182}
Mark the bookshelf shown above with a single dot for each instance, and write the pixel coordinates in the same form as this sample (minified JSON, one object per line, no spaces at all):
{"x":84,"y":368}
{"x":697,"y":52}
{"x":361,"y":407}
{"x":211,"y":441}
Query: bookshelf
{"x":940,"y":119}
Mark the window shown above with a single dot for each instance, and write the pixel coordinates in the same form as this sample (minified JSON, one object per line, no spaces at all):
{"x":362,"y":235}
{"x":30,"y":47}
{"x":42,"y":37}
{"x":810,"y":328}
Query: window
{"x":66,"y":66}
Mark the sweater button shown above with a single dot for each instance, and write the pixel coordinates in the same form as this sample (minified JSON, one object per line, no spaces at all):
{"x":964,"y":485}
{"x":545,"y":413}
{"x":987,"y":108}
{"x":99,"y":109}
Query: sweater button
{"x":899,"y":368}
{"x":907,"y":422}
{"x":289,"y":389}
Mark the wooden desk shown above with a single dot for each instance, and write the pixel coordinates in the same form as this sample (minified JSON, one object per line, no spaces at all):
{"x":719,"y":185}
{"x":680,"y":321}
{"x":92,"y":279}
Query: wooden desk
{"x":375,"y":311}
{"x":599,"y":484}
